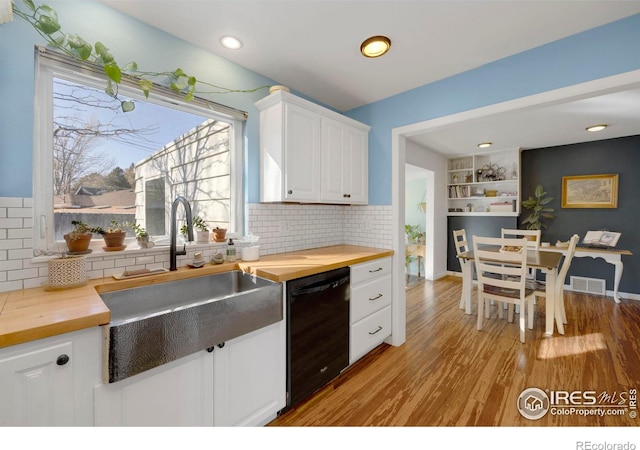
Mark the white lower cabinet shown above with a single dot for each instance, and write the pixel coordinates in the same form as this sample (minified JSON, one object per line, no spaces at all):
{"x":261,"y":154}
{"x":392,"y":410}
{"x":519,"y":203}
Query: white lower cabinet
{"x":241,"y":383}
{"x":250,"y":378}
{"x":370,"y":313}
{"x":179,"y":393}
{"x":49,"y":382}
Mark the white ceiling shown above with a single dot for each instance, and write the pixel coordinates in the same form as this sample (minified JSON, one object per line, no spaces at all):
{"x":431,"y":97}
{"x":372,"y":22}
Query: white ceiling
{"x":312,"y":46}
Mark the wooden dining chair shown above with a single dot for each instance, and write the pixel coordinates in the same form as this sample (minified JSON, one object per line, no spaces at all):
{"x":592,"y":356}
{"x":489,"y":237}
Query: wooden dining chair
{"x":462,"y":245}
{"x":539,"y":287}
{"x":502,"y":277}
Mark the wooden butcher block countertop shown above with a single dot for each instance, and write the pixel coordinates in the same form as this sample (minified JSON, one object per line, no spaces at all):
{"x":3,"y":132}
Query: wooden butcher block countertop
{"x":31,"y":314}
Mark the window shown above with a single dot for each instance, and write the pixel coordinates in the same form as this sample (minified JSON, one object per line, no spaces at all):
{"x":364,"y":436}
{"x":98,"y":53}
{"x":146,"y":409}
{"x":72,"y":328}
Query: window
{"x":95,"y":163}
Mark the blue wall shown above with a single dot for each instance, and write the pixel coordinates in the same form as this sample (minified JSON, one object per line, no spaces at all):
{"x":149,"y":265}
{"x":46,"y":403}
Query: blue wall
{"x":607,"y":50}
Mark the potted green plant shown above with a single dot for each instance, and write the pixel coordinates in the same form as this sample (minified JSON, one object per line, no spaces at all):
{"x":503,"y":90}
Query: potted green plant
{"x":79,"y":238}
{"x":202,"y":230}
{"x":113,"y":236}
{"x":142,"y":236}
{"x":539,"y":211}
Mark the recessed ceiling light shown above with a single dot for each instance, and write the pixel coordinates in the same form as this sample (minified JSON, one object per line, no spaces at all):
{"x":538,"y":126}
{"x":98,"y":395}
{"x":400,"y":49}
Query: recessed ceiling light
{"x":230,"y":42}
{"x":600,"y":127}
{"x":485,"y":144}
{"x":375,"y":46}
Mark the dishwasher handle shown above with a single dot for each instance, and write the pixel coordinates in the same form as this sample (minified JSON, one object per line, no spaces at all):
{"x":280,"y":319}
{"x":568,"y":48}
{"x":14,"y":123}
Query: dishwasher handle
{"x":321,"y":286}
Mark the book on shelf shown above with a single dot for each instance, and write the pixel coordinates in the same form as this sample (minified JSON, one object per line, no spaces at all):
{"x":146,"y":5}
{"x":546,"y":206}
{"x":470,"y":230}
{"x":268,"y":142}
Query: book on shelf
{"x":459,"y":191}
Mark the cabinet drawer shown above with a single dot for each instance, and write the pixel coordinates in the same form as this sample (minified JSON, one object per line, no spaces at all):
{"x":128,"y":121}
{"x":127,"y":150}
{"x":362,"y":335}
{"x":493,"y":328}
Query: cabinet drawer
{"x":367,"y":298}
{"x":369,"y":333}
{"x":370,"y":270}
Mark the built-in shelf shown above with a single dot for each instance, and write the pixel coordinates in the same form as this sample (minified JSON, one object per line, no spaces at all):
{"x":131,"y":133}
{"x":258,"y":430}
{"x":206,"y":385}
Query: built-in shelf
{"x":484,"y":184}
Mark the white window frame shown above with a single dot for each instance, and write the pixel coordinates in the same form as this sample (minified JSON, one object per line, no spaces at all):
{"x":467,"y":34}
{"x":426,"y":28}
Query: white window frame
{"x":49,"y":65}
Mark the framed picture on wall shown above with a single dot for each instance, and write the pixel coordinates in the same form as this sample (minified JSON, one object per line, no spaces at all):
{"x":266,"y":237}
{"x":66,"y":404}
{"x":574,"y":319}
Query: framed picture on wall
{"x":590,"y":191}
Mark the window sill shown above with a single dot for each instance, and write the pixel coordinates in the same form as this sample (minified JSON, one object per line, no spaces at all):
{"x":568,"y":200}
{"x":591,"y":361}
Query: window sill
{"x":133,"y":249}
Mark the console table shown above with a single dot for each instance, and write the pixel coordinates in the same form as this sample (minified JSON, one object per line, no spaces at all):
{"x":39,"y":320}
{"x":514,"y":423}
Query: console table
{"x":612,"y":256}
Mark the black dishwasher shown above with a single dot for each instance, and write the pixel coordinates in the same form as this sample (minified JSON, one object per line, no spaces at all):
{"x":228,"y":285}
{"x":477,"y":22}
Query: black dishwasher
{"x":317,"y":331}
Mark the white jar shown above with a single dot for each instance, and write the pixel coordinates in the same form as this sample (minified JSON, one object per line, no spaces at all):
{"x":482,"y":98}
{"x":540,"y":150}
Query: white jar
{"x":251,"y":253}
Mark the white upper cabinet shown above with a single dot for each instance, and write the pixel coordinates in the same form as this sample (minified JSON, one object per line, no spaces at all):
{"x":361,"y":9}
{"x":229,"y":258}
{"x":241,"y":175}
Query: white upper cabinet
{"x":310,"y":154}
{"x":344,"y":163}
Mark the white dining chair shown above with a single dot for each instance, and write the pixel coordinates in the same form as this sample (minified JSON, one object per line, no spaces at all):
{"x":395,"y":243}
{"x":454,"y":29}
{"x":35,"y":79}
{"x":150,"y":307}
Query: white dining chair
{"x":533,"y":236}
{"x":502,"y":277}
{"x":539,"y":287}
{"x":462,"y":245}
{"x":533,"y":242}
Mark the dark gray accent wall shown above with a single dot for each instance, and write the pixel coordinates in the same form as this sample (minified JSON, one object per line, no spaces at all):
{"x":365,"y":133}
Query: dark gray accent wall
{"x":547,"y":166}
{"x":474,"y":225}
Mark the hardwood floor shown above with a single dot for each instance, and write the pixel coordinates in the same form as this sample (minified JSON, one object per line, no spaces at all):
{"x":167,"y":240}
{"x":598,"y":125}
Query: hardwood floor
{"x":450,"y":374}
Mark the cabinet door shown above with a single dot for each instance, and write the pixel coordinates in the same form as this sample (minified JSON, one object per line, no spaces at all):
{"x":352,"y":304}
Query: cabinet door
{"x":302,"y":154}
{"x":344,"y":163}
{"x":250,"y":378}
{"x":333,"y":187}
{"x":179,"y":393}
{"x":49,"y":382}
{"x":357,"y":168}
{"x":37,"y":387}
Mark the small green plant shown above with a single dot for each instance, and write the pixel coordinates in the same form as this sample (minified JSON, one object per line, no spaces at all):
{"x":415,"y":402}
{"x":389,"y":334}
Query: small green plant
{"x":200,"y":224}
{"x":414,"y":234}
{"x":81,"y":228}
{"x":139,"y":231}
{"x":44,"y":19}
{"x":539,"y":211}
{"x":114,"y":227}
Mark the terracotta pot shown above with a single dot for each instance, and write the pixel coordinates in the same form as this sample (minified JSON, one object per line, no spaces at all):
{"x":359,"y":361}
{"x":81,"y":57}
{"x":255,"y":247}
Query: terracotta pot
{"x":79,"y":243}
{"x":115,"y":239}
{"x":219,"y":234}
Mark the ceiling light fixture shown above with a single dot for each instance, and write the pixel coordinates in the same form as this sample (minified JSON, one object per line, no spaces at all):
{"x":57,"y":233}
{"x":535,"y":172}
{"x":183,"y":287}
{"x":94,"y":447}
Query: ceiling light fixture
{"x":230,"y":42}
{"x":600,"y":127}
{"x":485,"y":144}
{"x":375,"y":46}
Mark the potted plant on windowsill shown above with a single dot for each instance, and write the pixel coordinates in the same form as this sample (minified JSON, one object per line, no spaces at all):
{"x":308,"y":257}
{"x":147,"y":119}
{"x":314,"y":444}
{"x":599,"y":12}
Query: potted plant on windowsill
{"x":142,"y":237}
{"x":113,"y":237}
{"x":79,"y":238}
{"x":202,"y":230}
{"x":219,"y":234}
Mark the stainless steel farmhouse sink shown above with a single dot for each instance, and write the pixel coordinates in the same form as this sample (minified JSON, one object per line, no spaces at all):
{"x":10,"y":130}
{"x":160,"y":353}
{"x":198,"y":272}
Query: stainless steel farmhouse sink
{"x":155,"y":324}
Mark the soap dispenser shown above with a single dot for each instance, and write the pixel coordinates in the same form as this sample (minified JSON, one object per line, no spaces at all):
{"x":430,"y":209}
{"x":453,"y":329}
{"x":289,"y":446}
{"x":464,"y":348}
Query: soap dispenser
{"x":231,"y":251}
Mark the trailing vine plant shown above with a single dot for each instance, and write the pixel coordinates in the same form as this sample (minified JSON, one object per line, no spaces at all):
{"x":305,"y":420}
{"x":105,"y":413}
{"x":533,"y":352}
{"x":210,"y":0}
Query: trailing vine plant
{"x":44,"y":19}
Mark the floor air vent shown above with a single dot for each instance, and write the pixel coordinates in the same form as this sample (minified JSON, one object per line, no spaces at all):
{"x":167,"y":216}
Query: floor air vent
{"x":589,"y":285}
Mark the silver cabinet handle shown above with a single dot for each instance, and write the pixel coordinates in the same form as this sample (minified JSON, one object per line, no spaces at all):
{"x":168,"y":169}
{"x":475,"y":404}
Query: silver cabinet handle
{"x":375,"y":298}
{"x":374,"y":332}
{"x":376,"y":270}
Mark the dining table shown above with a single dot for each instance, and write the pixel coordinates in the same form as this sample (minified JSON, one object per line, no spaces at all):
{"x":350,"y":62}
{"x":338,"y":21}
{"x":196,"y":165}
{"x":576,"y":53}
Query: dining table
{"x":547,"y":261}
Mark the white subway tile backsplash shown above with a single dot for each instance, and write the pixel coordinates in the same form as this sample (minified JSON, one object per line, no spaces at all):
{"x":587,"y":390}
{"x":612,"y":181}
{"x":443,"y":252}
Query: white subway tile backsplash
{"x":281,"y":228}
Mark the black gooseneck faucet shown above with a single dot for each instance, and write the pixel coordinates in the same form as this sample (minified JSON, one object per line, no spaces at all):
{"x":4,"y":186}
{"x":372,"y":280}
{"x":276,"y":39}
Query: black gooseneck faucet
{"x":173,"y":252}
